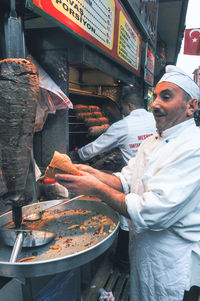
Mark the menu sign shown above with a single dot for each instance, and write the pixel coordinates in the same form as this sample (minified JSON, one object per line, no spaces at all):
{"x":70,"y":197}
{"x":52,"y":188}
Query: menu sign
{"x":103,"y":23}
{"x":149,"y":65}
{"x":148,"y":77}
{"x":128,"y":43}
{"x":94,"y":17}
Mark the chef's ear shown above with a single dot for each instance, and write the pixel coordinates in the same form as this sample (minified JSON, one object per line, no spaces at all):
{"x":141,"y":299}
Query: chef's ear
{"x":192,"y":106}
{"x":131,"y":106}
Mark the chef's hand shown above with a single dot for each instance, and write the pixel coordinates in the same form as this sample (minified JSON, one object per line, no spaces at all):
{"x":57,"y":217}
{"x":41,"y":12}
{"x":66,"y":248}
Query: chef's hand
{"x":85,"y":184}
{"x":86,"y":168}
{"x":100,"y":175}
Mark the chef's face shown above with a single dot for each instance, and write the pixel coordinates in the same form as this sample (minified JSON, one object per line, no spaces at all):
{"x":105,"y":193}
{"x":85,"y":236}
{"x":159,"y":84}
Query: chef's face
{"x":169,"y":106}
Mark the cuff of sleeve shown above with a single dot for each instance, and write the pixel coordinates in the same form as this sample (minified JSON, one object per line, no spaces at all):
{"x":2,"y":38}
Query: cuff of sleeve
{"x":133,"y":207}
{"x":125,"y":185}
{"x":80,"y":154}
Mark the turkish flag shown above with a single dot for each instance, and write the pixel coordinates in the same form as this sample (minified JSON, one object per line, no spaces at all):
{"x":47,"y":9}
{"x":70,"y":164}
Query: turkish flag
{"x":192,"y":41}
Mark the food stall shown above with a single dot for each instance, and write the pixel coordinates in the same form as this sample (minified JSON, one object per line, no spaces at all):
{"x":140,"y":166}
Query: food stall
{"x":90,"y":52}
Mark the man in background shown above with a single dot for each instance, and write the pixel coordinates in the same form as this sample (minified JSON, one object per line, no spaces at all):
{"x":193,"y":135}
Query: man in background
{"x":126,"y":134}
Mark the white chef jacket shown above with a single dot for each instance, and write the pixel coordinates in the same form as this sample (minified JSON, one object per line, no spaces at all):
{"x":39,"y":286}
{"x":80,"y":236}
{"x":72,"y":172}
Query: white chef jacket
{"x":162,"y":184}
{"x":126,"y":134}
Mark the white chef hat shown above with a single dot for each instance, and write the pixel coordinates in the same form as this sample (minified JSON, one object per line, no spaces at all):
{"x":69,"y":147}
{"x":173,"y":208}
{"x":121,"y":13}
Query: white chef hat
{"x":176,"y":76}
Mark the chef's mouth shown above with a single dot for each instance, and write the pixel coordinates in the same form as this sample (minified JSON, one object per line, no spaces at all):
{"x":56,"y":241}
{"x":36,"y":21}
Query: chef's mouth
{"x":157,"y":113}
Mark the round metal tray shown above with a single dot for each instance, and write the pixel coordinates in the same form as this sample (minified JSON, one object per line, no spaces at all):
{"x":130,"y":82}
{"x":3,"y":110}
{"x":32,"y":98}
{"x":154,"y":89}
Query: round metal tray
{"x":58,"y":264}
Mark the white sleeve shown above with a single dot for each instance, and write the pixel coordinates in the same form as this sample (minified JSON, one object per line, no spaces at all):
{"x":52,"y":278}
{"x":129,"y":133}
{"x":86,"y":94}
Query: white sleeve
{"x":114,"y":136}
{"x":170,"y":196}
{"x":125,"y":175}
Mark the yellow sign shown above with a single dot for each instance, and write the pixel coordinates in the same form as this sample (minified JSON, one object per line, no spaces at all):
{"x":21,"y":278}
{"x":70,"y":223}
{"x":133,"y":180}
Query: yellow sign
{"x":94,"y":17}
{"x":128,"y":43}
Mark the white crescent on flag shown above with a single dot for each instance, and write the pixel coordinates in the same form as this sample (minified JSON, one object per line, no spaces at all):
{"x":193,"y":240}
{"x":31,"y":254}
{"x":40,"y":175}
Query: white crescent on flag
{"x":193,"y":30}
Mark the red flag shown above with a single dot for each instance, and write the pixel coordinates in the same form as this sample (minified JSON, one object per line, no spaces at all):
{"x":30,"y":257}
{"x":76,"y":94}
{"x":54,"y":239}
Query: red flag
{"x":192,"y":41}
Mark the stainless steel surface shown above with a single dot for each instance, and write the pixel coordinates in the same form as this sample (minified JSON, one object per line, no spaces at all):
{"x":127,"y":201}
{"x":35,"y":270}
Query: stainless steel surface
{"x":58,"y":261}
{"x":31,"y":238}
{"x":38,"y":214}
{"x":17,"y":247}
{"x":18,"y":238}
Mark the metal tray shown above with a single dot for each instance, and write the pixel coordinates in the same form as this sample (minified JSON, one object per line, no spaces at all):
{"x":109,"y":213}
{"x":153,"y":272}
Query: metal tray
{"x":56,"y":263}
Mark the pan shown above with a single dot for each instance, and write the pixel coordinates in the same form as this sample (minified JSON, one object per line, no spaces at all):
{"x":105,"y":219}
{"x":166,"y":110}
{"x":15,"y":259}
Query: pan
{"x":49,"y":260}
{"x":19,"y":238}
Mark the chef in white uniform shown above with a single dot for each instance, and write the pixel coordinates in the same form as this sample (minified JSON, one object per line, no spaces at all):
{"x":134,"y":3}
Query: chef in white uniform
{"x":159,"y":190}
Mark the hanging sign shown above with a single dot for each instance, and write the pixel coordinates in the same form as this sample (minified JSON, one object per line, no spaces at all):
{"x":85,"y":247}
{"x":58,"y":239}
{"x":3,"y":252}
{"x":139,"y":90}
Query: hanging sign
{"x":92,"y":17}
{"x":149,"y":65}
{"x":128,"y":42}
{"x":103,"y":23}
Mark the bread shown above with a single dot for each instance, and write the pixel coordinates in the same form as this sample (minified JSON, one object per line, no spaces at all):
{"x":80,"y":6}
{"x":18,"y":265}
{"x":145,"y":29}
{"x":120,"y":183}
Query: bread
{"x":94,"y":108}
{"x":96,"y":114}
{"x":60,"y":163}
{"x":85,"y":115}
{"x":81,"y":108}
{"x":96,"y":121}
{"x":86,"y":108}
{"x":97,"y":130}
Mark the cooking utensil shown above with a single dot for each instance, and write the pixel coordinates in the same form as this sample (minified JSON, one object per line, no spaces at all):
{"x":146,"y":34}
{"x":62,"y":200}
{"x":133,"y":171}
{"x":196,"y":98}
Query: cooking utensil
{"x":37,"y":215}
{"x":19,"y":238}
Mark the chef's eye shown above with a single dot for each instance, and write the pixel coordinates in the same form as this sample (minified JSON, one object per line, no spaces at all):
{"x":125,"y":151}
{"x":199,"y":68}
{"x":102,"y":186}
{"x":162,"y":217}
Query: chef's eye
{"x":166,"y":97}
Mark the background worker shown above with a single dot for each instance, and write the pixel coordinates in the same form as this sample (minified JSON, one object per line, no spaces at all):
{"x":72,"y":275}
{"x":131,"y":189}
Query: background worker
{"x":126,"y":134}
{"x":159,"y":190}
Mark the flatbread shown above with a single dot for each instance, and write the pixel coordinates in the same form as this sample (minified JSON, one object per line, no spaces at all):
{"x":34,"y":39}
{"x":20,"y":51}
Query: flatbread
{"x":61,"y":163}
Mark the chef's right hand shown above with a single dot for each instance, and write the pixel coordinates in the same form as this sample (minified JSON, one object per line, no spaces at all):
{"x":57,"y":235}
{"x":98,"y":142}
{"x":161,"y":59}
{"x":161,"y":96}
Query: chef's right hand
{"x":86,"y":168}
{"x":85,"y":184}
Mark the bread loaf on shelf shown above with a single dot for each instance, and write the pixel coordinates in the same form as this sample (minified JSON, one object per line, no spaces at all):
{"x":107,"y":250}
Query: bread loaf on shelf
{"x":97,"y":130}
{"x":95,"y":121}
{"x":82,"y":116}
{"x":86,"y":108}
{"x":81,"y":108}
{"x":94,"y":108}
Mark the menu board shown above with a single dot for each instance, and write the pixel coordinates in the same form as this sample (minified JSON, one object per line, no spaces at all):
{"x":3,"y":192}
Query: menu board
{"x":94,"y":17}
{"x":149,"y":65}
{"x":103,"y":23}
{"x":128,"y":42}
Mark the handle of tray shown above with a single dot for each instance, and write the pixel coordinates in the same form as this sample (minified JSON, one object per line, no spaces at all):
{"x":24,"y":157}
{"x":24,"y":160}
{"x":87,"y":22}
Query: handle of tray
{"x":17,"y":247}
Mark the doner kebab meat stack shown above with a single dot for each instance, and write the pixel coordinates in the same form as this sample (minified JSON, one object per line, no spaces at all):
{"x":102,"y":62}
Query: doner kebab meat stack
{"x":19,"y":92}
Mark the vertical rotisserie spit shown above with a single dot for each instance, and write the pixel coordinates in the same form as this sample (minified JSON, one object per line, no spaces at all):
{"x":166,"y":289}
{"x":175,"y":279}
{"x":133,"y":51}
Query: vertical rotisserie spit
{"x":19,"y":92}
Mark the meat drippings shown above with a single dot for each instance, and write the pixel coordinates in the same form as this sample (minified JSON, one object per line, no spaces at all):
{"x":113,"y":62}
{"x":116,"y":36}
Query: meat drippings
{"x":76,"y":230}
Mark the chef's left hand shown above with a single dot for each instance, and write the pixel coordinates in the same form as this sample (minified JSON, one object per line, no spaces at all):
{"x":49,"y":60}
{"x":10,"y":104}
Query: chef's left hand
{"x":85,"y":184}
